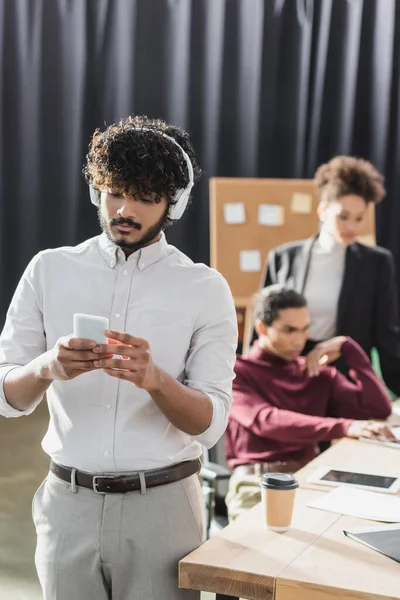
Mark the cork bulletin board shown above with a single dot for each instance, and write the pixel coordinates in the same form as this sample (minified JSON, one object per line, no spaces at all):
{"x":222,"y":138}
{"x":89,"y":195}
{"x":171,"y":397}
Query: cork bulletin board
{"x":290,"y":205}
{"x":249,"y":217}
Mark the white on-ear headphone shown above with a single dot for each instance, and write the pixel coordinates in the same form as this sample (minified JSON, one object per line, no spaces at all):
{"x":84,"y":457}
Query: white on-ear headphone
{"x":181,"y":196}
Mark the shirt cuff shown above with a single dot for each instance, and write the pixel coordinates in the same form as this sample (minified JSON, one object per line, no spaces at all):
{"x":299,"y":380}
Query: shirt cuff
{"x":218,"y":424}
{"x":344,"y":426}
{"x":6,"y":410}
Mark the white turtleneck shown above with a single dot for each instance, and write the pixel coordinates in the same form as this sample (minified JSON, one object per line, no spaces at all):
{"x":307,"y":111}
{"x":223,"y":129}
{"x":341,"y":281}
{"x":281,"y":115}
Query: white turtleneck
{"x":323,"y":285}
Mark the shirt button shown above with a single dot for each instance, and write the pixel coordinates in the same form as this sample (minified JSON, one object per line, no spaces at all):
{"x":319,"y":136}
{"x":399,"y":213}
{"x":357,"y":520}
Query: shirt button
{"x":125,"y":272}
{"x":108,"y":407}
{"x":117,"y":315}
{"x":106,"y":453}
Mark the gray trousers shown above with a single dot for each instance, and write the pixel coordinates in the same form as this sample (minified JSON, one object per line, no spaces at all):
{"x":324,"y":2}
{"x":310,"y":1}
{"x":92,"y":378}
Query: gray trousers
{"x":116,"y":546}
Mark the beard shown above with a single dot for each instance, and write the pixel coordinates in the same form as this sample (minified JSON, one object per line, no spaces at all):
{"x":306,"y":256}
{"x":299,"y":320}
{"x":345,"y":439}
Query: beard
{"x":148,"y":235}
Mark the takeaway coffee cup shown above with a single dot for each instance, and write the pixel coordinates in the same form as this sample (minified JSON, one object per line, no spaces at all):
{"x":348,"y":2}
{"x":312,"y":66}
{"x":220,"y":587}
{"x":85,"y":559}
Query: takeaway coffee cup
{"x":278,"y":492}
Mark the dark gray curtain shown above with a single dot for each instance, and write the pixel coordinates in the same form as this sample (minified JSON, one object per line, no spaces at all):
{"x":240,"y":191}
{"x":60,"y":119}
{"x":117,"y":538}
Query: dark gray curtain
{"x":267,"y":88}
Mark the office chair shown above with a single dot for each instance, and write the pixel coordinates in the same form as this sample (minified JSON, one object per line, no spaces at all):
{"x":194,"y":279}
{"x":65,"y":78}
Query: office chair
{"x":212,"y":474}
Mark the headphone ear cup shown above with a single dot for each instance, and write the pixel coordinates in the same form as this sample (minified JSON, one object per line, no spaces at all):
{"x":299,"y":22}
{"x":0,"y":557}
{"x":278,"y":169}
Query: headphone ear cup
{"x":180,"y":200}
{"x":94,"y":196}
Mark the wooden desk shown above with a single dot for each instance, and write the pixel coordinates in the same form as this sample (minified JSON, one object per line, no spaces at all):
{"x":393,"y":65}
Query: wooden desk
{"x":335,"y":566}
{"x":357,"y":456}
{"x":314,"y":560}
{"x":353,"y":455}
{"x":246,"y":558}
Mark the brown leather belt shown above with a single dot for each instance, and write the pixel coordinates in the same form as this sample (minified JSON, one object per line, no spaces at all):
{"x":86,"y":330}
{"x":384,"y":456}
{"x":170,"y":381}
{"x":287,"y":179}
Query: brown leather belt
{"x":120,"y":484}
{"x":258,"y":469}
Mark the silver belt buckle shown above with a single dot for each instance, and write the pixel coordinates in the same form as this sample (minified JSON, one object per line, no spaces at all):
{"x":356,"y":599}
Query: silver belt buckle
{"x":95,"y":484}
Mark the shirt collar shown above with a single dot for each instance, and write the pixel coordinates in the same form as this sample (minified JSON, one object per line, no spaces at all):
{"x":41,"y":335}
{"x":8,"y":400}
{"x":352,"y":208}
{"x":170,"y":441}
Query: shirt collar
{"x":144,"y":257}
{"x":267,"y":357}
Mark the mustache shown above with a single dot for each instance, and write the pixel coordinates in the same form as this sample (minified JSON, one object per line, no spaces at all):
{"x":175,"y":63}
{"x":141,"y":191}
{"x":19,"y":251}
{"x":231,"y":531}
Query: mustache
{"x":122,"y":221}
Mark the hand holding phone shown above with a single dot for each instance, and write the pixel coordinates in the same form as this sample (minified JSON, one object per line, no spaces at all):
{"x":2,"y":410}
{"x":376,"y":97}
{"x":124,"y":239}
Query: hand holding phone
{"x":73,"y":355}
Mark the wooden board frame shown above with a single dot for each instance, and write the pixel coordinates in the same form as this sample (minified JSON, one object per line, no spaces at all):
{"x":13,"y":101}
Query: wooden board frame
{"x":227,"y":241}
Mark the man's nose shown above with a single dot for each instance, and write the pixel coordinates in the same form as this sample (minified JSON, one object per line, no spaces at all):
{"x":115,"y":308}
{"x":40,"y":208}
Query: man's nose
{"x":300,"y":339}
{"x":127,"y":208}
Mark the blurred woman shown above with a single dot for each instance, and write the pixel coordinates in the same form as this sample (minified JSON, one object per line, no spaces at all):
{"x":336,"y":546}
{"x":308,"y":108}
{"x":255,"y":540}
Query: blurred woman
{"x":350,"y":287}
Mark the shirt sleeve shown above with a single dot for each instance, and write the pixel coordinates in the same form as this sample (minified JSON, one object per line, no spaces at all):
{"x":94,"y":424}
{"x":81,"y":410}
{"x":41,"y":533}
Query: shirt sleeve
{"x":211,"y":358}
{"x":254,"y":412}
{"x":363,"y":398}
{"x":23,"y":337}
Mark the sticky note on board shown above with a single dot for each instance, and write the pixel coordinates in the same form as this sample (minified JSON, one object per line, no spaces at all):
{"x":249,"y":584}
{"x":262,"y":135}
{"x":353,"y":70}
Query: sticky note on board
{"x":301,"y":203}
{"x":271,"y":214}
{"x":234,"y":213}
{"x":250,"y":261}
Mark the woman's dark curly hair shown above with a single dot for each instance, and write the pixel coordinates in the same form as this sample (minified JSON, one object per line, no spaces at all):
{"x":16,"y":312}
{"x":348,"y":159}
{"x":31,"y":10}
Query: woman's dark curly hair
{"x":345,"y":175}
{"x":129,"y":160}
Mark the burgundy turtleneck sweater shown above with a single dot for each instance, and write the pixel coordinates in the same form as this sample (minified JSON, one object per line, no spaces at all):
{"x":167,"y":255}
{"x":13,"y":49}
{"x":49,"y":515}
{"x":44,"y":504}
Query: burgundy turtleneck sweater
{"x":279,"y":412}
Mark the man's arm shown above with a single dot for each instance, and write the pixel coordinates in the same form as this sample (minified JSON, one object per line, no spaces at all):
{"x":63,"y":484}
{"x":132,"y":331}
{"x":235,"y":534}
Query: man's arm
{"x":25,"y":386}
{"x":266,"y":421}
{"x":200,"y":405}
{"x":365,"y":397}
{"x":22,"y":341}
{"x":26,"y":369}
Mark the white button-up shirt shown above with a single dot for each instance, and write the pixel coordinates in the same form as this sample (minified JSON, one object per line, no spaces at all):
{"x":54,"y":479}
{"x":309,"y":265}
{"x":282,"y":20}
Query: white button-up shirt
{"x":184,"y":310}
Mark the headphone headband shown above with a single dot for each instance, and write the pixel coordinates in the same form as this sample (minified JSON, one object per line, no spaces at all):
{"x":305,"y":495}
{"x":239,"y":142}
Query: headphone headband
{"x":181,"y":197}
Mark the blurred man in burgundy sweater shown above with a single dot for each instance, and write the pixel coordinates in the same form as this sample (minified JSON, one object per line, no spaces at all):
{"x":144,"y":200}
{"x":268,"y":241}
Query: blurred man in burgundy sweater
{"x":281,"y":400}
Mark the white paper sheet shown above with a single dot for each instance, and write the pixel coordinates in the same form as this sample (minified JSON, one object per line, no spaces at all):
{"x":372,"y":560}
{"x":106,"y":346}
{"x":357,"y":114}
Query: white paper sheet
{"x":271,"y":214}
{"x":234,"y":213}
{"x":359,"y":503}
{"x":250,"y":260}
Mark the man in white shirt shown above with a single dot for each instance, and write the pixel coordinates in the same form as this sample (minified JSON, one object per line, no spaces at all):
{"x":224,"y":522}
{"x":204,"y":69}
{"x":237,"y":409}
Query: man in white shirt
{"x":122,"y":502}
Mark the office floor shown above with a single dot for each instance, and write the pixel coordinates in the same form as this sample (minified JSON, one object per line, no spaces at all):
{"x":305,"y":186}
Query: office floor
{"x":23,"y":466}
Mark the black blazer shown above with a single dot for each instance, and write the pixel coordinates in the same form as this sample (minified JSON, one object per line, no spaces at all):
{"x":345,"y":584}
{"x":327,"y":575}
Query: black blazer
{"x":368,"y":308}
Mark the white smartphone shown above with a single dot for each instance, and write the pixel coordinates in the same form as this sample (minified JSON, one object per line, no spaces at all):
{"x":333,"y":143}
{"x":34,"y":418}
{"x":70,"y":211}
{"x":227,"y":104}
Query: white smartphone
{"x":366,"y":481}
{"x":90,"y":327}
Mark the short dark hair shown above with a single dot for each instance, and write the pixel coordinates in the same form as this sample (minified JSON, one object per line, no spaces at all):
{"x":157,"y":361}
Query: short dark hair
{"x":345,"y":175}
{"x":133,"y":155}
{"x":274,"y":298}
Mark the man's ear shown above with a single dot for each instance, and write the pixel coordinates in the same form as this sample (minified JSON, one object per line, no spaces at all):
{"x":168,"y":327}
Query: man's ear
{"x":260,"y":328}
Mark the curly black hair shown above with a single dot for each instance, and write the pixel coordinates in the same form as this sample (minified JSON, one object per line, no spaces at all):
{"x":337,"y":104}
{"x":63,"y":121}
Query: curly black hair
{"x":345,"y":175}
{"x":274,"y":298}
{"x":129,"y":160}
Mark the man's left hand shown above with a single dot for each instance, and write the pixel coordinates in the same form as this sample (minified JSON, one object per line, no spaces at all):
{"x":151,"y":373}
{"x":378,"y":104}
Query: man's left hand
{"x":323,"y":354}
{"x":135,"y":365}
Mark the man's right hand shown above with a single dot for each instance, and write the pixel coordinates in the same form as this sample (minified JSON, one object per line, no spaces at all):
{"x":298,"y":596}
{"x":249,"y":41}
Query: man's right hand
{"x":370,"y":429}
{"x":323,"y":354}
{"x":69,"y":358}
